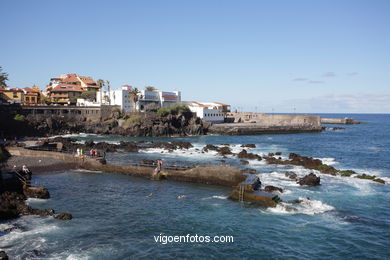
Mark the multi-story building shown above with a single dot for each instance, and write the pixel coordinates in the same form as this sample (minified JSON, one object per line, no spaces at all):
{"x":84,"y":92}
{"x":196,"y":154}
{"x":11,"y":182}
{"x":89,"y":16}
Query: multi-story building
{"x":13,"y":95}
{"x":153,"y":99}
{"x":117,"y":97}
{"x":146,"y":99}
{"x":32,"y":96}
{"x":66,"y":89}
{"x":65,"y":94}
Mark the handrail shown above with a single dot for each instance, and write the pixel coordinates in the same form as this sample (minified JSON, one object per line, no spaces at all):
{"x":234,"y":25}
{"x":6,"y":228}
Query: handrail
{"x":22,"y":178}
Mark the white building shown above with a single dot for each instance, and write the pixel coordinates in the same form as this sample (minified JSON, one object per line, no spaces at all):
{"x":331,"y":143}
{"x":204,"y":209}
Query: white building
{"x":81,"y":102}
{"x":116,"y":97}
{"x":212,"y":112}
{"x":147,"y":99}
{"x":153,"y":99}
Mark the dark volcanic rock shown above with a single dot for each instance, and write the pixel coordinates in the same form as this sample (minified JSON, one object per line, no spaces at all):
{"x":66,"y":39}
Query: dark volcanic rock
{"x":249,"y":145}
{"x":310,"y":180}
{"x":245,"y":155}
{"x":36,"y":192}
{"x":307,"y":162}
{"x":63,"y":216}
{"x":225,"y":150}
{"x":210,"y":147}
{"x":291,"y":175}
{"x":271,"y":188}
{"x":244,"y":162}
{"x":12,"y":205}
{"x":172,"y":145}
{"x":3,"y":255}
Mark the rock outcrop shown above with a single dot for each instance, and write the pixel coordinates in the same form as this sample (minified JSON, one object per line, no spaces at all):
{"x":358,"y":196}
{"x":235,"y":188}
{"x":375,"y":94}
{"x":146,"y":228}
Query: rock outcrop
{"x":271,"y":188}
{"x":310,"y":180}
{"x":245,"y":155}
{"x":3,"y":255}
{"x":36,"y":192}
{"x":63,"y":216}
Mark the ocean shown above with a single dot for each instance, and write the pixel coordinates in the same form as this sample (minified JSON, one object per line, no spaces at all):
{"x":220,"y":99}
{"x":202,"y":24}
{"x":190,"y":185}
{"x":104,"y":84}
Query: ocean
{"x":120,"y":217}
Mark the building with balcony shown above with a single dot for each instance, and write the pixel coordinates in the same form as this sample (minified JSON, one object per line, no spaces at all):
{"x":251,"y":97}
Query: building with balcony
{"x":32,"y":96}
{"x":13,"y":95}
{"x":68,"y":87}
{"x":154,"y":99}
{"x":64,"y":94}
{"x":118,"y":97}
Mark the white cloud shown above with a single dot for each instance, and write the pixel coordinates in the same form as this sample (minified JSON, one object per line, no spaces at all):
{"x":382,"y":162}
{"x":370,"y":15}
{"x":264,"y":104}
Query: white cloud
{"x":363,"y":103}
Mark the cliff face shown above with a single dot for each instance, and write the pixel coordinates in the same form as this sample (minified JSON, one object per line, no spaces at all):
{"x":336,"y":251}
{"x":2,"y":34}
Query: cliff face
{"x":172,"y":125}
{"x":147,"y":125}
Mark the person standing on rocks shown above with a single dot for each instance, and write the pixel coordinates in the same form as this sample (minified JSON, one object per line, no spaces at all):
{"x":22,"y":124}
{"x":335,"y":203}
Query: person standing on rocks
{"x":157,"y":170}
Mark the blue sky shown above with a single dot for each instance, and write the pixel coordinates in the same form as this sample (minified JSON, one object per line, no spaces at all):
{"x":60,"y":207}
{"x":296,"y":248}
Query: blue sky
{"x":281,"y":56}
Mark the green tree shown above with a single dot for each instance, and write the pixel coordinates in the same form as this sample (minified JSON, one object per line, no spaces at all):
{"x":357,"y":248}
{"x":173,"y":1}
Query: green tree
{"x":108,"y":90}
{"x":89,"y":95}
{"x":3,"y":78}
{"x":133,"y":94}
{"x":150,"y":88}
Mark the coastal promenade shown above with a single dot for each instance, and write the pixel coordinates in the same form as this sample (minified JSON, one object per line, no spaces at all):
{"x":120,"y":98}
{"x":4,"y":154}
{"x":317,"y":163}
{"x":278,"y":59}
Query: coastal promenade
{"x":246,"y":184}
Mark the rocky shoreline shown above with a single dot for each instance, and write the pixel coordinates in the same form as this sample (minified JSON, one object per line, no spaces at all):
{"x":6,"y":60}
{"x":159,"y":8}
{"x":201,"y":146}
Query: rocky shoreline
{"x":14,"y":191}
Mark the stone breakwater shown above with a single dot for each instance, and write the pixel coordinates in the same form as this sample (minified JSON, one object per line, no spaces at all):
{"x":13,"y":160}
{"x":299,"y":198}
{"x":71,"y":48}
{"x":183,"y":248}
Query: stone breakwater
{"x":206,"y":174}
{"x":342,"y":121}
{"x":258,"y":128}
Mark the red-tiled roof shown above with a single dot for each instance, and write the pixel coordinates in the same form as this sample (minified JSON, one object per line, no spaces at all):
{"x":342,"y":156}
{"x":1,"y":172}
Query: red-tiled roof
{"x":222,"y":104}
{"x":67,"y":88}
{"x":87,"y":80}
{"x":27,"y":89}
{"x":199,"y":104}
{"x":16,"y":89}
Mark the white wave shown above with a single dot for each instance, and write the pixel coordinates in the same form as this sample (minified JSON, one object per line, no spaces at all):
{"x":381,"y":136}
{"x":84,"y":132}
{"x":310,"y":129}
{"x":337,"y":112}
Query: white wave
{"x":41,"y":226}
{"x":4,"y":226}
{"x":77,"y":257}
{"x":307,"y":207}
{"x":36,"y":201}
{"x":84,"y":170}
{"x":219,"y":197}
{"x":328,"y":161}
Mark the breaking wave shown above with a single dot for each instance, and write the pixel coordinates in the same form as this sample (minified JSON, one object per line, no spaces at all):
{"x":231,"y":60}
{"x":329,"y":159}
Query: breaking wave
{"x":306,"y":206}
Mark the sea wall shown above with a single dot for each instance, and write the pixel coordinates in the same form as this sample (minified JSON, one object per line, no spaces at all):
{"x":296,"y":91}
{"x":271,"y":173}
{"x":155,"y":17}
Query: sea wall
{"x":258,"y":123}
{"x":343,"y":121}
{"x":208,"y":174}
{"x":268,"y":120}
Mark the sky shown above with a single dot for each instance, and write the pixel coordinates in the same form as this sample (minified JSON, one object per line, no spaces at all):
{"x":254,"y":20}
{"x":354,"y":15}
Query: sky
{"x":282,"y":56}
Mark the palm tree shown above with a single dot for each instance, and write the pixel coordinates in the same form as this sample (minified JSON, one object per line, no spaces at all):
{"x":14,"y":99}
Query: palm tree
{"x":108,"y":90}
{"x":100,"y":82}
{"x":150,"y":88}
{"x":133,"y":94}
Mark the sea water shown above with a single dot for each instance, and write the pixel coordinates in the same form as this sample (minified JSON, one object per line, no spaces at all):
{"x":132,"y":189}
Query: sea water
{"x":119,"y":217}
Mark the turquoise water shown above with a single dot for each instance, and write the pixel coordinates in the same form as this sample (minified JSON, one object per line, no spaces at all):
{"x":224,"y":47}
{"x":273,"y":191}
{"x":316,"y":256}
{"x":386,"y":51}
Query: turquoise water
{"x":114,"y":218}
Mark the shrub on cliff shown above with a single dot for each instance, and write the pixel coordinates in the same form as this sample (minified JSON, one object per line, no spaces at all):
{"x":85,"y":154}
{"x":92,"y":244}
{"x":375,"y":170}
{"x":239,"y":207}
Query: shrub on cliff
{"x":173,"y":110}
{"x":19,"y":117}
{"x":134,"y":119}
